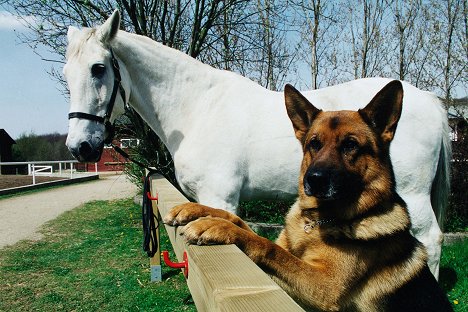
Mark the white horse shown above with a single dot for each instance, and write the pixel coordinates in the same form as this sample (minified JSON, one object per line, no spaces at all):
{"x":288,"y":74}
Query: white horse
{"x":230,"y":138}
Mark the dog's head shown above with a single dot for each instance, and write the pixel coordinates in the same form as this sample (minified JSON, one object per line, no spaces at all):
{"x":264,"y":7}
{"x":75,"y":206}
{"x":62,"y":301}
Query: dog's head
{"x":346,"y":153}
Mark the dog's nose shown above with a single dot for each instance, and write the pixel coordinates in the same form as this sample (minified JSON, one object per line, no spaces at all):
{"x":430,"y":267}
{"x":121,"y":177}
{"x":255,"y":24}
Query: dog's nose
{"x":318,"y":182}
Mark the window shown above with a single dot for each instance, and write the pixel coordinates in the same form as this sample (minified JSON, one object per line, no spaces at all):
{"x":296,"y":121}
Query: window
{"x":453,"y":136}
{"x":129,"y":143}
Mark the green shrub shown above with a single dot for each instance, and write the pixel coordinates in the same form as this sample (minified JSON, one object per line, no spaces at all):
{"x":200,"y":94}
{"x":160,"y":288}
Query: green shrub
{"x":457,"y":213}
{"x":267,"y":211}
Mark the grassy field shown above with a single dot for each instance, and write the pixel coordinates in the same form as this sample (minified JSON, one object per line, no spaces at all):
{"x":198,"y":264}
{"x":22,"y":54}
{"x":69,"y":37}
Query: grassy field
{"x":454,"y":274}
{"x":91,"y":260}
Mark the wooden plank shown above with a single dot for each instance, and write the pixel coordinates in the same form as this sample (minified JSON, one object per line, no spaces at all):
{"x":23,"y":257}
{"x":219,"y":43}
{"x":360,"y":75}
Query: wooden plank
{"x":221,"y":278}
{"x":155,"y":261}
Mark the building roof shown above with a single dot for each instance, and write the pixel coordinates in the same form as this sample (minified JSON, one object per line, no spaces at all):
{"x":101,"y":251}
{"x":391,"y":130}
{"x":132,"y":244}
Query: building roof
{"x":6,"y":138}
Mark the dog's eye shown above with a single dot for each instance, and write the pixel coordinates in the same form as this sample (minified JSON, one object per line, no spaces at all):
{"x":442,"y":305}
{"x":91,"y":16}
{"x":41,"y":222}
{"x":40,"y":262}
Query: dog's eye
{"x":315,"y":144}
{"x":98,"y":70}
{"x":349,"y":145}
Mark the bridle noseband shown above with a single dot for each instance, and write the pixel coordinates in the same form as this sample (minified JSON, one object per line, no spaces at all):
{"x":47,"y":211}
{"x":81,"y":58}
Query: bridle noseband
{"x":106,"y":119}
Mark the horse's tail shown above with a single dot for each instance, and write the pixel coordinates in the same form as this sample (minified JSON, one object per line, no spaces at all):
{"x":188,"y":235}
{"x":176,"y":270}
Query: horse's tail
{"x":441,"y":185}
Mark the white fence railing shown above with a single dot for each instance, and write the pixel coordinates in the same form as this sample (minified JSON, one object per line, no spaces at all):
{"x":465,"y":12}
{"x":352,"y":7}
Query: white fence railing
{"x":45,"y":168}
{"x":40,"y":170}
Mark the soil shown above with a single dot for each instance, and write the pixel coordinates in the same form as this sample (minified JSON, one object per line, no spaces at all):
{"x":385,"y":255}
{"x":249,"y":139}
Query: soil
{"x":9,"y":181}
{"x":23,"y":214}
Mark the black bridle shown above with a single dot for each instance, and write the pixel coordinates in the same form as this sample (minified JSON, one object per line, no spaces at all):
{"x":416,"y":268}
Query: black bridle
{"x":105,"y":120}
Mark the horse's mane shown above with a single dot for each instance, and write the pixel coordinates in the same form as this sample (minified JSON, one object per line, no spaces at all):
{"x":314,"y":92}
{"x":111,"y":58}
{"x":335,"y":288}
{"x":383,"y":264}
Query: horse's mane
{"x":74,"y":47}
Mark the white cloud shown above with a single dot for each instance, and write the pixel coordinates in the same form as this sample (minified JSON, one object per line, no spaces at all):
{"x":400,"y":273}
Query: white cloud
{"x":9,"y":21}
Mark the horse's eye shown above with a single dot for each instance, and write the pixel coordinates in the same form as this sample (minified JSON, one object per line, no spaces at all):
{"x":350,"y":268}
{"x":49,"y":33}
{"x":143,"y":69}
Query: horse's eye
{"x":349,"y":144}
{"x":98,"y":70}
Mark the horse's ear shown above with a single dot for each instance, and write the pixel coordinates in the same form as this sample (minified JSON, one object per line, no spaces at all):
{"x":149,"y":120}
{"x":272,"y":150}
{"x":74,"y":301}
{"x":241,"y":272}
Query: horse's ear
{"x":384,"y":110}
{"x":107,"y":31}
{"x":72,"y":31}
{"x":300,"y":111}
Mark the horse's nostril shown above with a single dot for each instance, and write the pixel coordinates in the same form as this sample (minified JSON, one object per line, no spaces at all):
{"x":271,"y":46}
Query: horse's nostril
{"x":85,"y":149}
{"x":74,"y":152}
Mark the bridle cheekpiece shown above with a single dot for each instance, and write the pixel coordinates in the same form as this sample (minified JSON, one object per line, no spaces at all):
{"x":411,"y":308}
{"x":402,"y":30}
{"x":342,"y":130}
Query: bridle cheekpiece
{"x":106,"y":118}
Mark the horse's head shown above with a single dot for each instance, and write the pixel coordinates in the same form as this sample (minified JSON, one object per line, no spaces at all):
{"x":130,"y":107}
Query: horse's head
{"x":96,"y":94}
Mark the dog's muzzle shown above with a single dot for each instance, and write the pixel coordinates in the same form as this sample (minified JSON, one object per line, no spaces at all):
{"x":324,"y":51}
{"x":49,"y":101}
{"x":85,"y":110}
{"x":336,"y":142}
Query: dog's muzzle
{"x":329,"y":184}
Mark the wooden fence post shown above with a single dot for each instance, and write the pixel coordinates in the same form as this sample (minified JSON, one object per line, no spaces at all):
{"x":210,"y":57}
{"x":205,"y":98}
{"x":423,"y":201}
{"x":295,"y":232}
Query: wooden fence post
{"x":155,"y":261}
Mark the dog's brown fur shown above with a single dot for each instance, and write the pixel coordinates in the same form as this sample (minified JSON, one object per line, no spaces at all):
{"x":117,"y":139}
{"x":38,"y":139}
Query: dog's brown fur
{"x":360,"y":254}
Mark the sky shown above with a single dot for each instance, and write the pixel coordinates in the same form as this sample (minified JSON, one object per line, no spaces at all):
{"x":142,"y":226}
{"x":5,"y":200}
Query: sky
{"x":30,"y":100}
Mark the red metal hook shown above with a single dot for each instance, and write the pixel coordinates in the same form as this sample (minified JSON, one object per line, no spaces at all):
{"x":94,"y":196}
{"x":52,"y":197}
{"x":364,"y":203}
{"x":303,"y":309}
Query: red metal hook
{"x":152,"y":198}
{"x":180,"y":265}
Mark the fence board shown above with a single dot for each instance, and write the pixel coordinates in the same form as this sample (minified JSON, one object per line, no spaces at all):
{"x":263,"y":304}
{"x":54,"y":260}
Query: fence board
{"x":221,"y":278}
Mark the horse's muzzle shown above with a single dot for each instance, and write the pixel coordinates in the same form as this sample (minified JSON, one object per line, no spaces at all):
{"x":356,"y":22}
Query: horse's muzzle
{"x":85,"y":152}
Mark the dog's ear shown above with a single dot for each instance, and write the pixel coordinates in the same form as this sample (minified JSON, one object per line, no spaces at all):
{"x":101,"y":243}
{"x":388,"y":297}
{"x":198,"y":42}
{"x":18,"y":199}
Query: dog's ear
{"x":300,"y":111}
{"x":384,"y":110}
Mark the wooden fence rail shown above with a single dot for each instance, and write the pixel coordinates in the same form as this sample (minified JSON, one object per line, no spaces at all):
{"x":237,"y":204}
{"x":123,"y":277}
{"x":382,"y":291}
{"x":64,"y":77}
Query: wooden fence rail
{"x":220,"y":278}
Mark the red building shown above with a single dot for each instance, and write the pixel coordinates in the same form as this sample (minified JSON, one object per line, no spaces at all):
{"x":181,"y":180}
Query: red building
{"x":110,"y":159}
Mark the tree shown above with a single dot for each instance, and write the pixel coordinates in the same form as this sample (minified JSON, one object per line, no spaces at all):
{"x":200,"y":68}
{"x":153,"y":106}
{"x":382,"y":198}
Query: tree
{"x":367,"y":36}
{"x":275,"y":55}
{"x":320,"y":30}
{"x":406,"y":15}
{"x":447,"y":47}
{"x":32,"y":147}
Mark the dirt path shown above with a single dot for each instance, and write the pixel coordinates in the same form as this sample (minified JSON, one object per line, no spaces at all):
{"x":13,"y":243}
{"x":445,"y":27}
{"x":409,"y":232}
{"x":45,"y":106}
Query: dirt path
{"x":22,"y":215}
{"x":9,"y":181}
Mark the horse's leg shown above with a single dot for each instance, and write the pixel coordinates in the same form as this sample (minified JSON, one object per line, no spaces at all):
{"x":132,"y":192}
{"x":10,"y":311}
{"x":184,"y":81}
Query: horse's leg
{"x":218,"y":198}
{"x":425,"y":227}
{"x":208,"y":178}
{"x":217,"y":190}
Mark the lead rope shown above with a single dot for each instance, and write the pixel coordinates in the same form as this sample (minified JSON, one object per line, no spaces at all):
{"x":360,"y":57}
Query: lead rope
{"x":150,"y":241}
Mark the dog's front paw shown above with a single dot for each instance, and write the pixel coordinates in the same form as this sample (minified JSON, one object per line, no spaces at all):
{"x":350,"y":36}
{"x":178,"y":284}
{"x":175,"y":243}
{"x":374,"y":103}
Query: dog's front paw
{"x":183,"y":214}
{"x":212,"y":231}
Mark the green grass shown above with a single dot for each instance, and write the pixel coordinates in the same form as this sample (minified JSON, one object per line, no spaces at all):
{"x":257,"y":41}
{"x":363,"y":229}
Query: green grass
{"x":89,"y":260}
{"x":37,"y":190}
{"x":454,"y":274}
{"x":27,"y":192}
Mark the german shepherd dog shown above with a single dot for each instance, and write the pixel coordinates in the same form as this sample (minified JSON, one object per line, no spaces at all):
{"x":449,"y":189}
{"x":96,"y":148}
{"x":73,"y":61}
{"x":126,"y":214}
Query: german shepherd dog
{"x":346,"y":244}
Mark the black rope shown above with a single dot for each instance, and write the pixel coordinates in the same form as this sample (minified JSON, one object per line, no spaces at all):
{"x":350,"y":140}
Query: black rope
{"x":150,"y":226}
{"x":150,"y":240}
{"x":126,"y":156}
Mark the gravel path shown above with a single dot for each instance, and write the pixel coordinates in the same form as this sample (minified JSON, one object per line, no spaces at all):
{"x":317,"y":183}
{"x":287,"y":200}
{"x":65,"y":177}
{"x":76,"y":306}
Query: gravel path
{"x":22,"y":215}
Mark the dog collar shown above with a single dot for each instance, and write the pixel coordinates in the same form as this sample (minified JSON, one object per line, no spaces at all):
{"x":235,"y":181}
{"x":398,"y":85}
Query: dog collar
{"x":308,"y":227}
